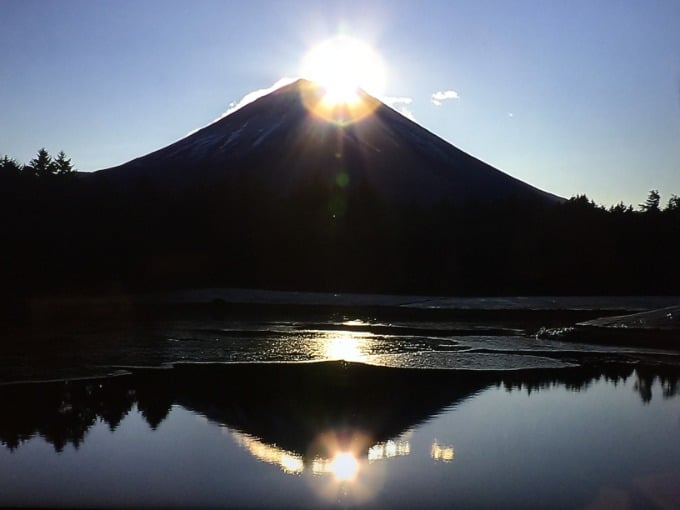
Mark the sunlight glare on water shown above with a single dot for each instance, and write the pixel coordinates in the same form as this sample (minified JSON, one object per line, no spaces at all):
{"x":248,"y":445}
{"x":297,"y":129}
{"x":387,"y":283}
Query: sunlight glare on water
{"x":345,"y":345}
{"x":344,"y":466}
{"x":288,"y":462}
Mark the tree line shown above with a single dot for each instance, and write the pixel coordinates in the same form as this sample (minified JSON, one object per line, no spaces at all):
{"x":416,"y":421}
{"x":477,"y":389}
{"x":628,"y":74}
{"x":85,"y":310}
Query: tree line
{"x":95,"y":233}
{"x":42,"y":166}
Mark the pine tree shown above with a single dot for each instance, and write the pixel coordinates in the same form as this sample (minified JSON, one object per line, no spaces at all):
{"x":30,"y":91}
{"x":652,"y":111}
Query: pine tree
{"x":62,"y":165}
{"x":9,"y":167}
{"x":621,"y":208}
{"x":651,"y":205}
{"x":673,"y":203}
{"x":42,"y":164}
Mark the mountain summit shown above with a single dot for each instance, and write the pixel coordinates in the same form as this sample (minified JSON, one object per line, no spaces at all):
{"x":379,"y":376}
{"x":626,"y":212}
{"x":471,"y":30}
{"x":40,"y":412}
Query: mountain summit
{"x":289,"y":138}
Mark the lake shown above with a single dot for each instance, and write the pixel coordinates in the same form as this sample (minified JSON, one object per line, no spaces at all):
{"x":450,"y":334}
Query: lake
{"x":255,"y":409}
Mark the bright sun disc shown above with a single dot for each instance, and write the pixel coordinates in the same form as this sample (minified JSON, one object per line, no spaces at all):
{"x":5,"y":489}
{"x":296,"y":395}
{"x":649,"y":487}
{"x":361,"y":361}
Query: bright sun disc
{"x":342,"y":65}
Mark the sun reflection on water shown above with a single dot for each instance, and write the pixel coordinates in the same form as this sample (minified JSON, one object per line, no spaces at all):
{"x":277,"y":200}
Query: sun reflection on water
{"x":355,"y":322}
{"x":288,"y":462}
{"x":338,"y":462}
{"x":345,"y":345}
{"x":344,"y":466}
{"x":443,"y":453}
{"x":389,"y":449}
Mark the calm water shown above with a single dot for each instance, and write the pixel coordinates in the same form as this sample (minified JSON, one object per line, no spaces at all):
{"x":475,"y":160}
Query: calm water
{"x":339,"y":435}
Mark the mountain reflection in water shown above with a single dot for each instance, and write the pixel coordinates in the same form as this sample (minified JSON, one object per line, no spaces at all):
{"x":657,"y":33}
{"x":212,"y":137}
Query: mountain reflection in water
{"x":335,"y":433}
{"x":291,"y":415}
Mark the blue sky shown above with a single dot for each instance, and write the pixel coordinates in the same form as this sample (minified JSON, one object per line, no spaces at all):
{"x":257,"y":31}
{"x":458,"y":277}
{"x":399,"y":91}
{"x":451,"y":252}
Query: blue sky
{"x":570,"y":96}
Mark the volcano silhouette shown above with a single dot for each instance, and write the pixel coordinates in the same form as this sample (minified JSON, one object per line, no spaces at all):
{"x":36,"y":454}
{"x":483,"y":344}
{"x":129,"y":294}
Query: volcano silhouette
{"x":281,"y":141}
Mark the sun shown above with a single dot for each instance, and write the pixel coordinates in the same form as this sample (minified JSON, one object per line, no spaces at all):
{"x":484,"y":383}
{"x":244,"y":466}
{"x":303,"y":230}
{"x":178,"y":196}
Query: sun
{"x":342,"y":65}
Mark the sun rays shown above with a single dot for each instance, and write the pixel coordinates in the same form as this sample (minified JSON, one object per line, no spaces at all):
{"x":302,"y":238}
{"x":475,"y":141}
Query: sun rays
{"x":342,"y":65}
{"x":347,"y":72}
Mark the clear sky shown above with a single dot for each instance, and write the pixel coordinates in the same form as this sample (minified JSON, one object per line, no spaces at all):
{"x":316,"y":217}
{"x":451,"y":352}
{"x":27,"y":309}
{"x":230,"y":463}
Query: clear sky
{"x":573,"y":96}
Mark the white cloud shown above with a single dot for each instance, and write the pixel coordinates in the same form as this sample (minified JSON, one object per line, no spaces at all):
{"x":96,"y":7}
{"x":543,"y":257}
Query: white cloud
{"x":440,"y":96}
{"x":249,"y":98}
{"x":254,"y":95}
{"x":395,"y":100}
{"x":400,"y":104}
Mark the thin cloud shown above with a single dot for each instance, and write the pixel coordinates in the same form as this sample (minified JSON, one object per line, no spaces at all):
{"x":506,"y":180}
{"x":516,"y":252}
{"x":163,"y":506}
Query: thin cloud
{"x":249,"y":98}
{"x":254,"y":95}
{"x":395,"y":100}
{"x":400,"y":104}
{"x":440,"y":96}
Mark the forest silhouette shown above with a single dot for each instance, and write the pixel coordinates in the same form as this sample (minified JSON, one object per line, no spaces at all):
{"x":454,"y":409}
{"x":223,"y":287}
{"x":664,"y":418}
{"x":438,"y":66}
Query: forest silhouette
{"x":67,"y":231}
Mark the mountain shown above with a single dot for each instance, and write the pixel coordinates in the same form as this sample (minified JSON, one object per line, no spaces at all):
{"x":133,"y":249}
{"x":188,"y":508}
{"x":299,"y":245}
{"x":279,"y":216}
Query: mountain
{"x":284,"y":140}
{"x":291,"y":193}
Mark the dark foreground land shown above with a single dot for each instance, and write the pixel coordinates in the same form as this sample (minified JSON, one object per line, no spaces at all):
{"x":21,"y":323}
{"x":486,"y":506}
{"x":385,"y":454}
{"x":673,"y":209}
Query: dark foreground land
{"x":82,"y":233}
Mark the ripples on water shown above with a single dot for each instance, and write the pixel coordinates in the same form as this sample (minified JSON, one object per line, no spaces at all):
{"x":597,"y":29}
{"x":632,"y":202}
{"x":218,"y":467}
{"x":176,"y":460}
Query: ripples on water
{"x":100,"y":348}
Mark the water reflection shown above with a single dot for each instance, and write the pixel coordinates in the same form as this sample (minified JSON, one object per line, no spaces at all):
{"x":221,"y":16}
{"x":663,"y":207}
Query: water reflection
{"x":287,"y":414}
{"x":393,"y":448}
{"x":580,"y":379}
{"x":344,"y":466}
{"x":645,"y":381}
{"x":312,"y":410}
{"x":288,"y":462}
{"x":345,"y":345}
{"x":440,"y":452}
{"x":342,"y":434}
